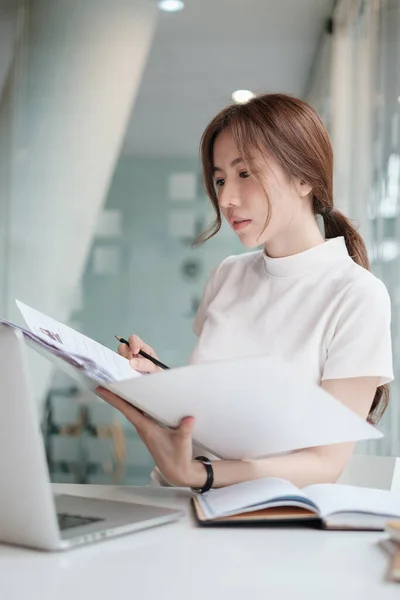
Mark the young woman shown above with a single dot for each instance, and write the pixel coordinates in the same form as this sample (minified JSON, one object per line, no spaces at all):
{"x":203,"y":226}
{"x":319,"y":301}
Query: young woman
{"x":306,"y":297}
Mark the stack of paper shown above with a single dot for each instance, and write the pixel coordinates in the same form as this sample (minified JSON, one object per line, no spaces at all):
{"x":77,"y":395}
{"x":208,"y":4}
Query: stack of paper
{"x":94,"y":360}
{"x":244,"y":408}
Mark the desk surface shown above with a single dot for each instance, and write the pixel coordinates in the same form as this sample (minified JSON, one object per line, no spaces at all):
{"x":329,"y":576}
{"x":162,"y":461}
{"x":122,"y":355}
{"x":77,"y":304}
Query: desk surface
{"x":183,"y":561}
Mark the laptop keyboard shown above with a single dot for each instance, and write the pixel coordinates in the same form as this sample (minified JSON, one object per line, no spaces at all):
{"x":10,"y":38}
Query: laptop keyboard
{"x":67,"y":521}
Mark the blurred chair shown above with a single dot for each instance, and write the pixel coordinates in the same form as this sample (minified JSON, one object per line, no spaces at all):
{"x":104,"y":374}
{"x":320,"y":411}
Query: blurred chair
{"x":83,"y":437}
{"x":381,"y":472}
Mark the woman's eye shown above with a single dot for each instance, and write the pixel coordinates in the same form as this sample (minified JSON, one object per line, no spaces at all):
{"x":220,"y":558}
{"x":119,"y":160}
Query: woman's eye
{"x":244,"y":174}
{"x":219,"y":182}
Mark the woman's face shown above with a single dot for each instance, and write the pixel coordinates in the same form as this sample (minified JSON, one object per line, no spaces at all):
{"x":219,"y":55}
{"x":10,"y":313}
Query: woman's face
{"x":242,"y":199}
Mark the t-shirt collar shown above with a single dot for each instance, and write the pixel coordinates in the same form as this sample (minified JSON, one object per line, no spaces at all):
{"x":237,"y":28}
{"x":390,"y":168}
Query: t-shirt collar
{"x":330,"y":251}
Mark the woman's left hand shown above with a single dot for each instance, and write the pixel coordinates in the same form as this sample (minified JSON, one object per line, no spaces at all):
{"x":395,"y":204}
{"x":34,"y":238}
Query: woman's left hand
{"x":171,"y":450}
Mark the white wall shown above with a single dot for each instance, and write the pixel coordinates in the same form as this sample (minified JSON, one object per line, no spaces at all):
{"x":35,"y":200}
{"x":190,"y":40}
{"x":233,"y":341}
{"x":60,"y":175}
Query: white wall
{"x":8,"y":34}
{"x":5,"y":177}
{"x":9,"y":31}
{"x":81,"y":64}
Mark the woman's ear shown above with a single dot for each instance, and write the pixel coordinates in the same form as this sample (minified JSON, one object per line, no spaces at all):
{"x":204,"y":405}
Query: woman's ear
{"x":303,"y":188}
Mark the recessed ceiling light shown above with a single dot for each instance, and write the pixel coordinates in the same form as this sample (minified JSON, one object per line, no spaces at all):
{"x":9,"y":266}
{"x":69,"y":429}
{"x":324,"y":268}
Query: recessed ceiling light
{"x":398,"y":99}
{"x":242,"y":96}
{"x":171,"y":5}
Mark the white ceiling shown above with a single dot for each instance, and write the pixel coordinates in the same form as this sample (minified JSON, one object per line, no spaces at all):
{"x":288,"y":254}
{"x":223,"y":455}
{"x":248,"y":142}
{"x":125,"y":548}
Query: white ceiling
{"x":203,"y":53}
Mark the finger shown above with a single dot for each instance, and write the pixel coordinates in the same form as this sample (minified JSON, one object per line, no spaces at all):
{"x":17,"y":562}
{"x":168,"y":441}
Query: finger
{"x":131,"y":413}
{"x":125,"y":351}
{"x":143,"y":365}
{"x":112,"y":399}
{"x":185,"y":428}
{"x":136,"y":344}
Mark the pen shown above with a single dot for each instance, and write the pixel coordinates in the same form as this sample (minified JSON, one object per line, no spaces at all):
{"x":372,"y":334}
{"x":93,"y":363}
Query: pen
{"x":144,"y":354}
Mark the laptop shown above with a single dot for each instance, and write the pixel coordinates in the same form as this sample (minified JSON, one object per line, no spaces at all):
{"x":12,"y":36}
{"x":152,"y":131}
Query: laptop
{"x":30,"y":515}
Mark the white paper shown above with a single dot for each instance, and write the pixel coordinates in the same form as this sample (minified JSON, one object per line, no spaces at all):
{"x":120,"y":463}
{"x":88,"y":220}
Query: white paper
{"x":334,"y":498}
{"x":325,"y":499}
{"x":246,"y":407}
{"x":73,"y":343}
{"x":251,"y":495}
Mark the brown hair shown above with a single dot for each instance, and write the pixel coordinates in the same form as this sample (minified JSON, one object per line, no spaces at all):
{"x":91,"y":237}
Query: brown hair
{"x":291,"y":131}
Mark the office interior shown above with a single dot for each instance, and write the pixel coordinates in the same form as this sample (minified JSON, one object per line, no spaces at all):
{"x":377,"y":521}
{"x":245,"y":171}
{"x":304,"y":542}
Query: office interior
{"x":102,"y":105}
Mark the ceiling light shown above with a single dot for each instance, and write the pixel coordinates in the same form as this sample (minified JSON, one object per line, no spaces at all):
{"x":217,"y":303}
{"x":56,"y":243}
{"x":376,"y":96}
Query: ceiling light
{"x":171,"y":5}
{"x":242,"y":96}
{"x":398,"y":99}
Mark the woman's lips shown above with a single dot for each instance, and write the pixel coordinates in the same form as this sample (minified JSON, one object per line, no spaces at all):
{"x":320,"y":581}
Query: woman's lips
{"x":239,"y":225}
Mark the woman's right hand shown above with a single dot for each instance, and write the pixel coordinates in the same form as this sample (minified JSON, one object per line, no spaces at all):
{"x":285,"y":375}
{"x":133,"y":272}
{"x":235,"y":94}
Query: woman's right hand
{"x":136,"y":361}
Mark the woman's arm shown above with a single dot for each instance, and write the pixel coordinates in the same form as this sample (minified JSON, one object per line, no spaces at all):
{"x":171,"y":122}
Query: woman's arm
{"x":172,"y":450}
{"x":322,"y":464}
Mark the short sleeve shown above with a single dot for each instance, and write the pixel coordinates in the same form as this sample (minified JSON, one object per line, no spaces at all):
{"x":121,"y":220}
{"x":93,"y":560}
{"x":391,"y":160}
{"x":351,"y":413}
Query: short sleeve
{"x":207,"y":296}
{"x":361,"y":344}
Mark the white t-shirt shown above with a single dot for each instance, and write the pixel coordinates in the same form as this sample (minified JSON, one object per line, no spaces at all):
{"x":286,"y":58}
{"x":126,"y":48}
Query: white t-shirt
{"x":317,"y":308}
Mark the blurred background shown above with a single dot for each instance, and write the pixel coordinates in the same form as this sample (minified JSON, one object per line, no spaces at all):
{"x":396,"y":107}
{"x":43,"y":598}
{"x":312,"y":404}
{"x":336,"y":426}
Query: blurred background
{"x":102,"y":105}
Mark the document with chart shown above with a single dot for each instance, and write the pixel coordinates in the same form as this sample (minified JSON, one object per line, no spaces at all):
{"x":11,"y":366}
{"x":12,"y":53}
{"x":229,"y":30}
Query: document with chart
{"x":244,"y":408}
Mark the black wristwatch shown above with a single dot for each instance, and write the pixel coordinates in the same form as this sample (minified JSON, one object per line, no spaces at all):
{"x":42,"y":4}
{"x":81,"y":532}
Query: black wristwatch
{"x":210,"y":475}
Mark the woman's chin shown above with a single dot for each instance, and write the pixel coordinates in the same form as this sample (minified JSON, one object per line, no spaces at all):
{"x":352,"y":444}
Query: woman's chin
{"x":250,"y":243}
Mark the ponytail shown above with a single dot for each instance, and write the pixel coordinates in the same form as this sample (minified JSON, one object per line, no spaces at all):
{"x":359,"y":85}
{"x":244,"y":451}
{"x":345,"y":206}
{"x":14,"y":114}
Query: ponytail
{"x":336,"y":224}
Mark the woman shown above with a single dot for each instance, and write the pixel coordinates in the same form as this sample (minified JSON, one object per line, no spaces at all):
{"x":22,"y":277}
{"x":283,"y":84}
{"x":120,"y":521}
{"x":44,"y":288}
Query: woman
{"x":305,"y":297}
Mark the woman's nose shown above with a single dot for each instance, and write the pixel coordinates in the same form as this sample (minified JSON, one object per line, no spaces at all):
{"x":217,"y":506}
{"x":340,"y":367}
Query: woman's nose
{"x":228,"y":196}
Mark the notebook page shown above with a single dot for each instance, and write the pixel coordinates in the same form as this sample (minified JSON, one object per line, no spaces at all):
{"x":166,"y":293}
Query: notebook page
{"x":72,"y":342}
{"x":334,"y":498}
{"x":251,"y":495}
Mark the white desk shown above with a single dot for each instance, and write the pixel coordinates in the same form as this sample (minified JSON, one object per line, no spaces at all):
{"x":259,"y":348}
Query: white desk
{"x":183,"y":561}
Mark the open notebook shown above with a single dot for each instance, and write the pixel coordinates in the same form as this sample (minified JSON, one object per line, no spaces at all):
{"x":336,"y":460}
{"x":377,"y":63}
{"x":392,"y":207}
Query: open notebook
{"x":273,"y":408}
{"x":272,"y":500}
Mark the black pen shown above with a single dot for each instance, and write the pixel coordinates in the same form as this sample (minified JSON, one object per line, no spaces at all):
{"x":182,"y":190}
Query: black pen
{"x":155,"y":361}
